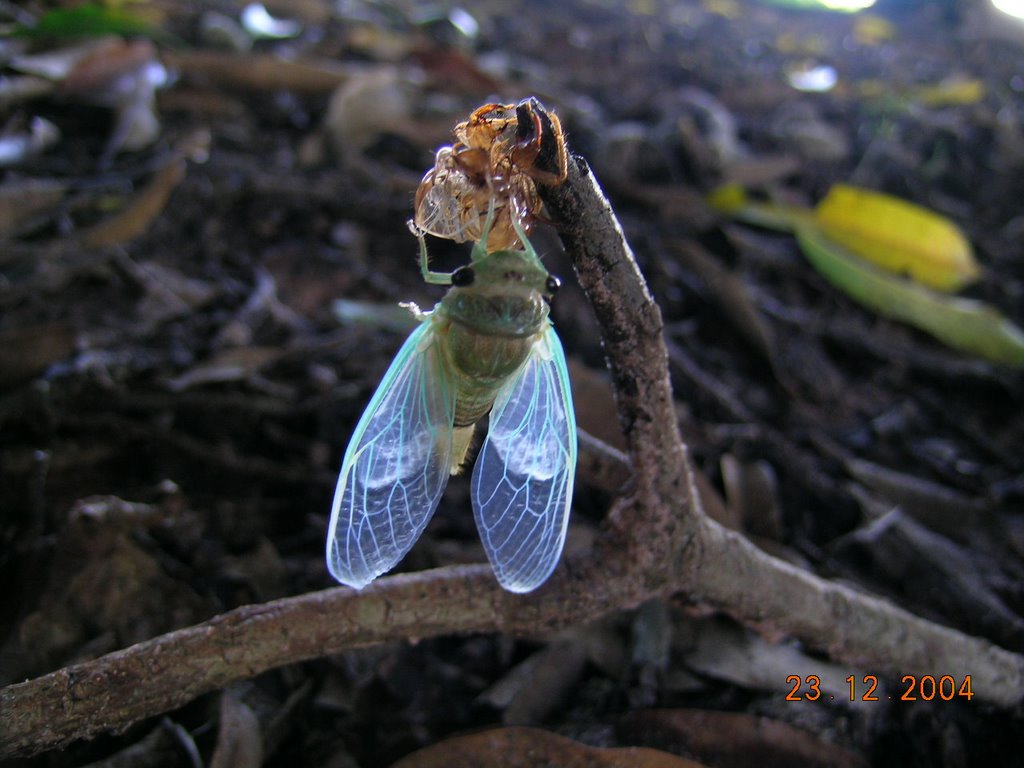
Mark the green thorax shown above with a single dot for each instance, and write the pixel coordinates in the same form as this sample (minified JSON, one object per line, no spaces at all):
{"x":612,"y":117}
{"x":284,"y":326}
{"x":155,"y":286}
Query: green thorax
{"x":489,"y":326}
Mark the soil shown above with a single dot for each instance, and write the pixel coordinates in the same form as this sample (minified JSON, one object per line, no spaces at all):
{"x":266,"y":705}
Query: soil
{"x":177,"y":388}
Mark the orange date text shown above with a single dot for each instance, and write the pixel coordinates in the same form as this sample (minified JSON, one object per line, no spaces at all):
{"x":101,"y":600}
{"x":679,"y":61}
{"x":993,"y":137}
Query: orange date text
{"x":866,"y":688}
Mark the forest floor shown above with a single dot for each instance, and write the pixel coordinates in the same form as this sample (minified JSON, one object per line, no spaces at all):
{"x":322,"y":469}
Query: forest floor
{"x":177,"y":387}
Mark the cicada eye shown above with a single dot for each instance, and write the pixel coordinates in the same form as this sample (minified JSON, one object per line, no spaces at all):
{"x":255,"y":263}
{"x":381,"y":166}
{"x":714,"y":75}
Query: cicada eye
{"x":553,"y":284}
{"x":463,"y":276}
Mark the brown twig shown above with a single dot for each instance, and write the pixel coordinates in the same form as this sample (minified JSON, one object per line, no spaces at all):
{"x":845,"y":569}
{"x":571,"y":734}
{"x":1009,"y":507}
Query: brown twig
{"x":658,"y":543}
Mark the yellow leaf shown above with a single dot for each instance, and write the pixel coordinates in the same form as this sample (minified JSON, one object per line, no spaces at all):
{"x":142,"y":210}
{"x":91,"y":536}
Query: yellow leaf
{"x":898,"y":236}
{"x":952,"y":92}
{"x":873,"y":30}
{"x":729,"y":9}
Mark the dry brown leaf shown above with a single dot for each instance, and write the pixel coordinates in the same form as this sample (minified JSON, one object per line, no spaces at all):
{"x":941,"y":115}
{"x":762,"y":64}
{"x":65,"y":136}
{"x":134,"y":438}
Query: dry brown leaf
{"x":531,"y":747}
{"x":602,"y":643}
{"x":532,"y":689}
{"x":101,"y":67}
{"x":136,"y":218}
{"x":761,"y":170}
{"x":27,"y":352}
{"x":941,"y":508}
{"x":202,"y":103}
{"x":455,"y":68}
{"x":368,"y":105}
{"x":240,"y":738}
{"x":752,"y":495}
{"x":594,"y":402}
{"x":261,"y":72}
{"x":235,"y":364}
{"x":725,"y":651}
{"x":735,"y":739}
{"x":312,"y":12}
{"x":123,"y":75}
{"x":169,"y":293}
{"x":379,"y":43}
{"x":22,"y":200}
{"x":55,"y":63}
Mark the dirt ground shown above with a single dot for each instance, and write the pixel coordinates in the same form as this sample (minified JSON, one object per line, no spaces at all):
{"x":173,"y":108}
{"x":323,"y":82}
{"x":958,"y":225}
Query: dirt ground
{"x":177,"y":385}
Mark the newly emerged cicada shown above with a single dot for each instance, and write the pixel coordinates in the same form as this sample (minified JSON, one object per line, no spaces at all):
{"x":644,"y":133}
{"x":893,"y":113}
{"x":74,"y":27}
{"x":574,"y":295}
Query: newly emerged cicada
{"x":493,"y":162}
{"x":487,"y":347}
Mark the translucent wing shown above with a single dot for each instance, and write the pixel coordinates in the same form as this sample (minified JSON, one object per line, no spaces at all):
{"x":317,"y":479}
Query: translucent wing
{"x":396,"y":467}
{"x":522,"y":482}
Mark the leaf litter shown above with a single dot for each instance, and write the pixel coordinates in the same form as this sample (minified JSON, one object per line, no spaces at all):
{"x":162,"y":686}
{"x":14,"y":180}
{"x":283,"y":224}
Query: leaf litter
{"x":177,"y":388}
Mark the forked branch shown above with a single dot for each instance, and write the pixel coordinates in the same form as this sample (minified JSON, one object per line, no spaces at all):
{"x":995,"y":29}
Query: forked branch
{"x":658,"y":543}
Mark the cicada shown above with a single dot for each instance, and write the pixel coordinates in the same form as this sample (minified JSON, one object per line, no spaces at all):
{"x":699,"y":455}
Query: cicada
{"x":493,"y":162}
{"x":488,"y":347}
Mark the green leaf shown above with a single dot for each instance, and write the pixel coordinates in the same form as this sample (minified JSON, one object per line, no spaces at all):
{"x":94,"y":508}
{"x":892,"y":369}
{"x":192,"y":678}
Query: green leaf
{"x":968,"y":325}
{"x":88,"y":20}
{"x":733,"y":201}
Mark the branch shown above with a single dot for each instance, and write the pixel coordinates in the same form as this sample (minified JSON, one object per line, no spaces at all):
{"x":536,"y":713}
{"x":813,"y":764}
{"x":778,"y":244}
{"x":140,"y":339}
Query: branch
{"x":658,"y":543}
{"x":712,"y":565}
